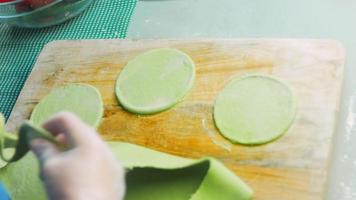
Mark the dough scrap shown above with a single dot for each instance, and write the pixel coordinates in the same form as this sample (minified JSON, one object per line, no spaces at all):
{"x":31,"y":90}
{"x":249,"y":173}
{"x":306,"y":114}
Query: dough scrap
{"x":155,"y":81}
{"x":2,"y":122}
{"x":4,"y":151}
{"x":254,"y":109}
{"x":8,"y":153}
{"x":151,"y":175}
{"x":81,"y":99}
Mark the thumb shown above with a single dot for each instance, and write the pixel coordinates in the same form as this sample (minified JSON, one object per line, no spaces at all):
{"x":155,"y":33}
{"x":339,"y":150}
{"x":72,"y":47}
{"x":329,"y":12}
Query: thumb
{"x":43,"y":149}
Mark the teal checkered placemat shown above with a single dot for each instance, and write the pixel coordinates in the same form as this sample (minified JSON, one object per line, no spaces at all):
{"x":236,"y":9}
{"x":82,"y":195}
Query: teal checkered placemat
{"x":19,"y":48}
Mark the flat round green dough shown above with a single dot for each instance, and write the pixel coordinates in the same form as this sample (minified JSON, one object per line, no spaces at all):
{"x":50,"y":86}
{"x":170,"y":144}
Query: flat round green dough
{"x":254,"y":109}
{"x":81,"y":99}
{"x":155,"y":81}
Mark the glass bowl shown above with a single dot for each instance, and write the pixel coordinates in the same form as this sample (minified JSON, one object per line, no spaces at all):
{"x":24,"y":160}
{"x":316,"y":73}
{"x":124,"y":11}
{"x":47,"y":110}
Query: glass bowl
{"x":40,"y":13}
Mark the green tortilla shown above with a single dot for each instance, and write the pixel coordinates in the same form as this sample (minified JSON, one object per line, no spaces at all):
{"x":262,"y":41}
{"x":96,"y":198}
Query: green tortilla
{"x":254,"y":109}
{"x":151,"y":175}
{"x":155,"y":81}
{"x":81,"y":99}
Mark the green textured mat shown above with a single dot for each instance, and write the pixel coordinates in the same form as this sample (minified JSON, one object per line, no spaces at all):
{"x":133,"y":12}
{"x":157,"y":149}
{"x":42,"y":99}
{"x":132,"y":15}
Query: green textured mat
{"x":19,"y":48}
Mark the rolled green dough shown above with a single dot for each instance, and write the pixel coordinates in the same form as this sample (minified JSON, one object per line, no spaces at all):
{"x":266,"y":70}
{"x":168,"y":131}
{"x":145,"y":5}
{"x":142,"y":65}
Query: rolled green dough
{"x":81,"y":99}
{"x":155,"y":81}
{"x":254,"y":109}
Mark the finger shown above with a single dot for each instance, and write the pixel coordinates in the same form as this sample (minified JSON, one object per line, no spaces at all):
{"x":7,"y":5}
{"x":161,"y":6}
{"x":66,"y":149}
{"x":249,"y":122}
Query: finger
{"x":75,"y":131}
{"x":61,"y":138}
{"x":43,"y":149}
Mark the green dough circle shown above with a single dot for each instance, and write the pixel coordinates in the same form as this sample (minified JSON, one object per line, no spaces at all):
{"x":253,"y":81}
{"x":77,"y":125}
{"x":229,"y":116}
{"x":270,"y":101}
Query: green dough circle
{"x":254,"y":109}
{"x":81,"y":99}
{"x":155,"y":81}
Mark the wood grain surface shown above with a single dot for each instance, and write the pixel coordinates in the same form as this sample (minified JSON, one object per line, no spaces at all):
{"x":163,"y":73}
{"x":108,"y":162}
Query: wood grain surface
{"x":293,"y":167}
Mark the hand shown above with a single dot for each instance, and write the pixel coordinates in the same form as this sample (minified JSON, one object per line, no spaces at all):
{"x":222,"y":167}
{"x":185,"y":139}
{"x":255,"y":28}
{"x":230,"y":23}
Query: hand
{"x":87,"y":170}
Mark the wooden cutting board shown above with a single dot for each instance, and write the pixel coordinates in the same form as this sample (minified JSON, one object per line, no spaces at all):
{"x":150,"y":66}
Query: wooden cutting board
{"x":292,"y":168}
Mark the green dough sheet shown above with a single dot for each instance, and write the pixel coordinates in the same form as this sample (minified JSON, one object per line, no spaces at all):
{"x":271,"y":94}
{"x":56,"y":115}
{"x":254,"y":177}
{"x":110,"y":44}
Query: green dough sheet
{"x":81,"y":99}
{"x":155,"y":81}
{"x":18,"y":144}
{"x":2,"y":122}
{"x":151,"y":175}
{"x":254,"y":109}
{"x":5,"y":151}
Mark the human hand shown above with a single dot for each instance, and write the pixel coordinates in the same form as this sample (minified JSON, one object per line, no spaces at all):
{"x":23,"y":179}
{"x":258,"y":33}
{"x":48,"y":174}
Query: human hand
{"x":86,"y":170}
